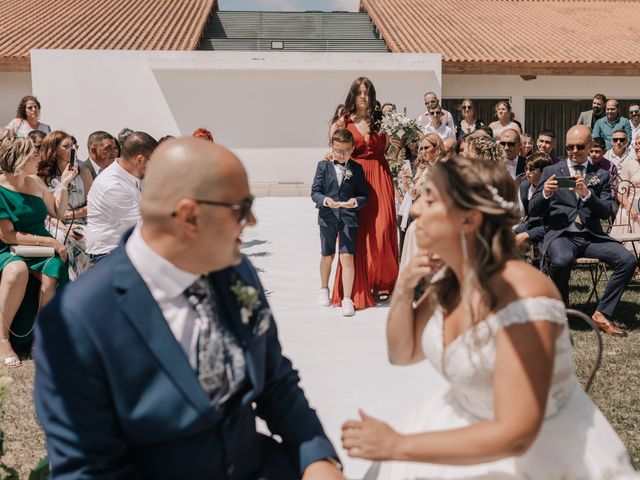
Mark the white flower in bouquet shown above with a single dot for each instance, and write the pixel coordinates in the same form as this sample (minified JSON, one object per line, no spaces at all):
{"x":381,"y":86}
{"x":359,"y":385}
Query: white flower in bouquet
{"x":399,"y":126}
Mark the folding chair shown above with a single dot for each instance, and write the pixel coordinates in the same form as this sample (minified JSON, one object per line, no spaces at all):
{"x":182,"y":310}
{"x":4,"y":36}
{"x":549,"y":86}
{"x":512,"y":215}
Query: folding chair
{"x":623,"y":227}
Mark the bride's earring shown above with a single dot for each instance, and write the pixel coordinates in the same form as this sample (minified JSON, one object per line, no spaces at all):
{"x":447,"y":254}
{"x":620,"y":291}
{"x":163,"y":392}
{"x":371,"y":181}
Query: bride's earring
{"x":463,"y":244}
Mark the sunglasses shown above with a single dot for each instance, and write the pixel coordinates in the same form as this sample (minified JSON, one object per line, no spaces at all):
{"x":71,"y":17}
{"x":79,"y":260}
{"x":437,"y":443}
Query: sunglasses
{"x":467,"y":107}
{"x":619,"y":139}
{"x":507,"y":144}
{"x":433,"y":114}
{"x":242,"y":209}
{"x":580,"y":147}
{"x":634,"y":112}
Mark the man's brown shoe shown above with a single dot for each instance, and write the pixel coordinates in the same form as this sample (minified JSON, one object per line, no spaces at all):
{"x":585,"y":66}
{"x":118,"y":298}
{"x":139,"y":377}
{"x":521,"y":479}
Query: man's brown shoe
{"x":603,"y":323}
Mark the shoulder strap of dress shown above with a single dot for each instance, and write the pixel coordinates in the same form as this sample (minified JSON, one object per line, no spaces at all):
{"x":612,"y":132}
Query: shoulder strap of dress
{"x":532,"y":309}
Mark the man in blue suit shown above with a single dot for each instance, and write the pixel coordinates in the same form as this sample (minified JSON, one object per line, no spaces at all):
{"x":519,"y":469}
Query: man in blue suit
{"x":156,"y":363}
{"x":339,"y":189}
{"x":573,"y":224}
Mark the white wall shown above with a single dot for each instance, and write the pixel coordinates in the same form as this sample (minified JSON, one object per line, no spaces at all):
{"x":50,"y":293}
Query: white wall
{"x":543,"y":87}
{"x":272,"y":109}
{"x":14,"y":86}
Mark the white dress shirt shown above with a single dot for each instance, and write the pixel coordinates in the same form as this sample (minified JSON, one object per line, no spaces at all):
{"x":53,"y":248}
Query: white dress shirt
{"x":112,"y":208}
{"x":167,"y":284}
{"x":443,"y":131}
{"x":96,"y":167}
{"x":447,"y":119}
{"x":512,"y":166}
{"x":619,"y":160}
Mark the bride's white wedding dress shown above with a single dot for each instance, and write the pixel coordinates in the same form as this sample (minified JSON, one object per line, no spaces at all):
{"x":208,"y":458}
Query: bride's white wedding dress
{"x":575,"y":441}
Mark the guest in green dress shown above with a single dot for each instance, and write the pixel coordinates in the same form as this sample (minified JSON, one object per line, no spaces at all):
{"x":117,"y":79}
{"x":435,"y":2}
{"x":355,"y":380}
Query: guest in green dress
{"x":25,"y":201}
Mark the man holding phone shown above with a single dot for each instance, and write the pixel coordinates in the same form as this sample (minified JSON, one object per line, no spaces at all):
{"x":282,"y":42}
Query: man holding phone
{"x":573,"y":197}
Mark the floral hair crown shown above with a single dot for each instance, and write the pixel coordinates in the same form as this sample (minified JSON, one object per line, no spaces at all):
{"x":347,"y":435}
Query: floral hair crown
{"x":505,"y":205}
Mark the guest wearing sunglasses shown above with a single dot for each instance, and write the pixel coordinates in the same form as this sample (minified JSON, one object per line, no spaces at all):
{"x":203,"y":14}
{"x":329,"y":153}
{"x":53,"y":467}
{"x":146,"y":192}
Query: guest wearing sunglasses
{"x":620,"y":151}
{"x":430,"y":101}
{"x":574,"y":228}
{"x":436,"y":126}
{"x":509,"y":140}
{"x":531,"y":230}
{"x":468,"y":121}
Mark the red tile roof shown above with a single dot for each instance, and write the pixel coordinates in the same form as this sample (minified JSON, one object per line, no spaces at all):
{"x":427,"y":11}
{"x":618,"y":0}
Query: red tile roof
{"x":98,"y":24}
{"x":575,"y":36}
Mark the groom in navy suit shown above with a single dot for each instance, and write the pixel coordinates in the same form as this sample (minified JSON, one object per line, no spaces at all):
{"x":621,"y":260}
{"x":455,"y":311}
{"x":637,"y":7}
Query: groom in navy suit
{"x":156,"y":363}
{"x":339,"y":189}
{"x":573,"y":219}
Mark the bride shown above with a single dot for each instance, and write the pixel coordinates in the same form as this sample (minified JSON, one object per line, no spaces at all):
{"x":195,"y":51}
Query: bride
{"x":496,"y":329}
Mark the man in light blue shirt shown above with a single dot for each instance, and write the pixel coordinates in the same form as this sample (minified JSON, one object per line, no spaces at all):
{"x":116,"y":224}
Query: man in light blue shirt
{"x":613,"y":121}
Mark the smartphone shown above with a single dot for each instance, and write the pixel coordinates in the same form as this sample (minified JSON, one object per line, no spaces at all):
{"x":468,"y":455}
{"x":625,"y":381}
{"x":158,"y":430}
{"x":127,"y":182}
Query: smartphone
{"x":407,"y":164}
{"x":566,"y":182}
{"x":72,"y":158}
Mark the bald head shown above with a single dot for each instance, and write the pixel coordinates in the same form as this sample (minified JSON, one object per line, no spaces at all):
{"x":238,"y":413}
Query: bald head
{"x":189,"y":168}
{"x":578,"y":134}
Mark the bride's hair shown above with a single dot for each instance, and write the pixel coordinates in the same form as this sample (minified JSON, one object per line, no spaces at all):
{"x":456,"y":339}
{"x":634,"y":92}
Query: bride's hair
{"x":487,"y":187}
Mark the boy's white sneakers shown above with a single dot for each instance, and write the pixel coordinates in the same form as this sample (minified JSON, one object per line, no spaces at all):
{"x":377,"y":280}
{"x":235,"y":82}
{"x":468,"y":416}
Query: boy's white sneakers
{"x":348,"y":310}
{"x":323,"y":297}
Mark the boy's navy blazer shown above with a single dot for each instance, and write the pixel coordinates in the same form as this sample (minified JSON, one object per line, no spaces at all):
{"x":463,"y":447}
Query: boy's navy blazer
{"x":564,"y":206}
{"x":325,"y":184}
{"x":117,"y":397}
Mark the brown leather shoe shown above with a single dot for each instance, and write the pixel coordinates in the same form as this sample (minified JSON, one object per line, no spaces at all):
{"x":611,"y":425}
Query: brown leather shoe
{"x":608,"y":327}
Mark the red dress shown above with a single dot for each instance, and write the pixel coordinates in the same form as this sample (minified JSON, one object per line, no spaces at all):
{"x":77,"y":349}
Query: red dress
{"x":376,"y":259}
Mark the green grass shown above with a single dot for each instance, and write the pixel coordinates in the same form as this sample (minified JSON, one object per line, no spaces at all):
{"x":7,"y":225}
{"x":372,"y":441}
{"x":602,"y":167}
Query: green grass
{"x":616,"y":389}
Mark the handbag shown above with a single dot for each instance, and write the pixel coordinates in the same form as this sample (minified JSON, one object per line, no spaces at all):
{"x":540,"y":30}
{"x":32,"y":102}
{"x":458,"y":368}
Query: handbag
{"x":32,"y":251}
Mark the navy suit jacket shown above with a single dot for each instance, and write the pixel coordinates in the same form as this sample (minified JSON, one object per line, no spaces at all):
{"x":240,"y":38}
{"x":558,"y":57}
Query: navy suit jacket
{"x":325,"y":184}
{"x":118,"y":399}
{"x":562,"y":208}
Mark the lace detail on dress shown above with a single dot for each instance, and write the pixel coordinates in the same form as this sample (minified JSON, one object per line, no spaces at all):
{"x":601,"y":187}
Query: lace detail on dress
{"x":468,"y":362}
{"x":531,"y":309}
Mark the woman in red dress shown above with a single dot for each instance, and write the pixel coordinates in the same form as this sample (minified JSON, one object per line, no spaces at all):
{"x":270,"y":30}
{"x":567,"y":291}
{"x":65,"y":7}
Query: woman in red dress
{"x":376,"y":259}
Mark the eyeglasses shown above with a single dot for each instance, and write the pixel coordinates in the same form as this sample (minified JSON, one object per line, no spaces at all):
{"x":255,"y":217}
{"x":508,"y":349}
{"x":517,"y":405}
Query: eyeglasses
{"x":619,"y":139}
{"x":507,"y":144}
{"x":437,"y":113}
{"x":467,"y":107}
{"x":580,"y":147}
{"x":634,"y":112}
{"x":346,"y":151}
{"x":242,"y":209}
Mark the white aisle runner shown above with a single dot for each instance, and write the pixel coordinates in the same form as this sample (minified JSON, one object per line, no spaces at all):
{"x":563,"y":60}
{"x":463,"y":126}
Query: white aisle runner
{"x":342,"y":361}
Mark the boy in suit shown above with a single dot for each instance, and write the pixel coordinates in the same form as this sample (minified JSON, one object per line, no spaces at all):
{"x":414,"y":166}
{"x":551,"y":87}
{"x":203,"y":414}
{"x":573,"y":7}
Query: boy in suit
{"x":339,"y":189}
{"x":531,"y":229}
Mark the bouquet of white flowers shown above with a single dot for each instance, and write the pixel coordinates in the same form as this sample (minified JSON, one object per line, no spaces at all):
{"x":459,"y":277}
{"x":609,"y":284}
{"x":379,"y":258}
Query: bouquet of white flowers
{"x":404,"y":130}
{"x":400,"y":127}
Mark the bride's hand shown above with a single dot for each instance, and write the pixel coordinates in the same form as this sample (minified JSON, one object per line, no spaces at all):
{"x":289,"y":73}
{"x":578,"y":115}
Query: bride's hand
{"x":422,"y":265}
{"x":369,"y":438}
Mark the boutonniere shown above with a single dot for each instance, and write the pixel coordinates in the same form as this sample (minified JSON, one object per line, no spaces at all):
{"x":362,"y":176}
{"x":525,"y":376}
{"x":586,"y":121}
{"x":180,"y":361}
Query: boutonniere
{"x":593,"y":181}
{"x":348,"y":173}
{"x":247,"y":299}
